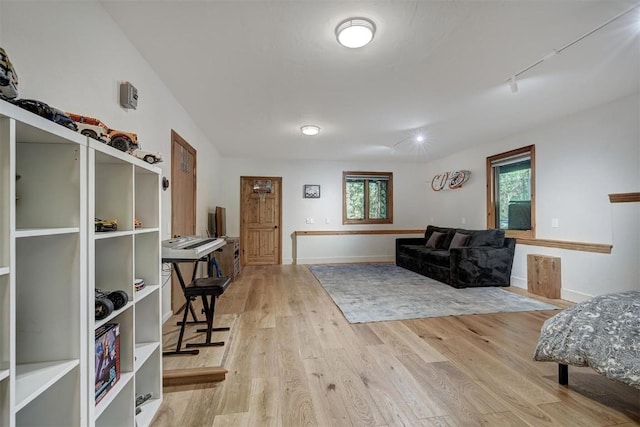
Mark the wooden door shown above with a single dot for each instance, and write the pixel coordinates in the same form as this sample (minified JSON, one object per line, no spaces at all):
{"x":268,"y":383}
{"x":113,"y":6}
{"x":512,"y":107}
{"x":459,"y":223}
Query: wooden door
{"x":260,"y":230}
{"x":183,"y":206}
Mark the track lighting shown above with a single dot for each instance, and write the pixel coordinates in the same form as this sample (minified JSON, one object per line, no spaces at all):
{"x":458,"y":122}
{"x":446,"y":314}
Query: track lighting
{"x":513,"y":84}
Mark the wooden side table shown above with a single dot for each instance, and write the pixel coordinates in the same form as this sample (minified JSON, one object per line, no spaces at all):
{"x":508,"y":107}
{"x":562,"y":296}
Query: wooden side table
{"x":543,"y":276}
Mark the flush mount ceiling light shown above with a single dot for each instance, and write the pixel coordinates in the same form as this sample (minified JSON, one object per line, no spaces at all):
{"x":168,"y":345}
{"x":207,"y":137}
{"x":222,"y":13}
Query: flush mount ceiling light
{"x":355,"y":32}
{"x":310,"y":130}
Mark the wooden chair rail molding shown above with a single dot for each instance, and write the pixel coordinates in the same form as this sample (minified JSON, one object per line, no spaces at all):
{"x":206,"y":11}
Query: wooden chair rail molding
{"x":354,"y":232}
{"x":624,"y":197}
{"x":563,"y":244}
{"x":295,"y":234}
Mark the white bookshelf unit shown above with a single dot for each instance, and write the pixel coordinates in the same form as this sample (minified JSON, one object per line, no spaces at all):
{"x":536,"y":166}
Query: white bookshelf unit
{"x":53,"y":182}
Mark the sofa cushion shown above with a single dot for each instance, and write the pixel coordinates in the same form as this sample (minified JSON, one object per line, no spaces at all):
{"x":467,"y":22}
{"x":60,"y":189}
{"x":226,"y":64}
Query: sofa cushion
{"x":491,"y":237}
{"x":444,"y":243}
{"x":459,"y":240}
{"x":438,"y":257}
{"x":435,"y":239}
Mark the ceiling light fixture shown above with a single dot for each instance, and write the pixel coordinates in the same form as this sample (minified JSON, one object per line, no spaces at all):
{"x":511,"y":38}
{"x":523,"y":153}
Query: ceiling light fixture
{"x":513,"y":84}
{"x":355,"y":32}
{"x":310,"y":130}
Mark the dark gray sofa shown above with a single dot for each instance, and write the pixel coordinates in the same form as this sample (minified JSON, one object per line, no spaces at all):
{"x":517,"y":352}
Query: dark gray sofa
{"x":485,"y":259}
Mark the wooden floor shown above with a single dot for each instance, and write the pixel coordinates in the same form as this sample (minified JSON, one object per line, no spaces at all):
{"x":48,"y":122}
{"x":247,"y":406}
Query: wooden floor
{"x":294,"y":360}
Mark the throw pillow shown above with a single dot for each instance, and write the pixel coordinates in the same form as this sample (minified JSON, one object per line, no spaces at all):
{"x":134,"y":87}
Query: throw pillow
{"x":434,"y":240}
{"x":459,"y":240}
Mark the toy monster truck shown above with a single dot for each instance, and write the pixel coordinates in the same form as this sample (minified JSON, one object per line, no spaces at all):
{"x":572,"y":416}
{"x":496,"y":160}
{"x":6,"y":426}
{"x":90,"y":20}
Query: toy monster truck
{"x":109,"y":301}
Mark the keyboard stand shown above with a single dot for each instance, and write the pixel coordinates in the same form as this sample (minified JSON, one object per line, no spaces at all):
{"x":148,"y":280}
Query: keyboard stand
{"x":208,"y":306}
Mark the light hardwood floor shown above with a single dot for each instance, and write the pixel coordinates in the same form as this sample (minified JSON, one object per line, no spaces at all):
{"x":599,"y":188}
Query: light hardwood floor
{"x":294,"y":360}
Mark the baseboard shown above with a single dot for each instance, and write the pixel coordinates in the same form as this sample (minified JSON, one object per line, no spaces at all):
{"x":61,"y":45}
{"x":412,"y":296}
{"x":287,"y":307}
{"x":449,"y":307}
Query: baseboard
{"x":347,"y":260}
{"x":574,"y":296}
{"x":166,"y":316}
{"x":519,"y":282}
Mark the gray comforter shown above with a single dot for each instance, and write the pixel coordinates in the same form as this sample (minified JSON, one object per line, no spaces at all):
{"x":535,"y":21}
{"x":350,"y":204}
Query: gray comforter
{"x":603,"y":333}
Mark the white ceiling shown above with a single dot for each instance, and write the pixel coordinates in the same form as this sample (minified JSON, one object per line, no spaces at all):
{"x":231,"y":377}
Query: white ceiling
{"x":250,"y":73}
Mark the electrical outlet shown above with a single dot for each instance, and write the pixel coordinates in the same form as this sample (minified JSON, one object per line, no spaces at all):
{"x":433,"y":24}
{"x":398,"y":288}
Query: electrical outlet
{"x":555,"y":223}
{"x":328,"y":220}
{"x":463,"y":220}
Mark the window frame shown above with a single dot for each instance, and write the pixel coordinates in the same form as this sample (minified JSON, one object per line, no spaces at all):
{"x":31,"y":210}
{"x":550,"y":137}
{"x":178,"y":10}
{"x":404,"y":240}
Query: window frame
{"x":366,"y":219}
{"x":491,"y":189}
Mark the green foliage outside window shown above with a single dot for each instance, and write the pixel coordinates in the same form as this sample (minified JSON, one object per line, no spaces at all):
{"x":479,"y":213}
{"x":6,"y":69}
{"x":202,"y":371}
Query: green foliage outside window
{"x":367,"y":197}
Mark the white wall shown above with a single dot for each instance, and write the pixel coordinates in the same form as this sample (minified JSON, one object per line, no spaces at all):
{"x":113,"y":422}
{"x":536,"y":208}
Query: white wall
{"x":72,"y":56}
{"x":579,"y":160}
{"x":409,"y":191}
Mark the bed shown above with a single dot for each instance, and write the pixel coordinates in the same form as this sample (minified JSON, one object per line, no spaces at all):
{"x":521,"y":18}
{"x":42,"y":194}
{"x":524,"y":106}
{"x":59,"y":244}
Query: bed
{"x":602,"y":332}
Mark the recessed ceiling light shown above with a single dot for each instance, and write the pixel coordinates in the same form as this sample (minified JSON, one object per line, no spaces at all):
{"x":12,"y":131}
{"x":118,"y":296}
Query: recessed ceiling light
{"x":310,"y":130}
{"x":355,"y":32}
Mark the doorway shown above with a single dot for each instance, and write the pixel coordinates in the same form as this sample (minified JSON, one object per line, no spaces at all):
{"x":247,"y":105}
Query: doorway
{"x":183,"y":205}
{"x":260,"y":220}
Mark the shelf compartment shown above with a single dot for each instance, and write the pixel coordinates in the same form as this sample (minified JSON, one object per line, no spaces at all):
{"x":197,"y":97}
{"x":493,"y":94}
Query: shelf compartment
{"x":7,"y":177}
{"x":116,"y":408}
{"x":114,"y":264}
{"x":49,"y":193}
{"x":147,"y":203}
{"x":147,"y":257}
{"x":112,"y":184}
{"x":143,"y":352}
{"x":149,"y":380}
{"x":147,"y":316}
{"x":57,"y":288}
{"x":32,"y":379}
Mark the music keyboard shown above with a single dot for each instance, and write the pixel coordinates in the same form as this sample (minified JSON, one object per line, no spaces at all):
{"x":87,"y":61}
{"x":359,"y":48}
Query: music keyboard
{"x":190,"y":247}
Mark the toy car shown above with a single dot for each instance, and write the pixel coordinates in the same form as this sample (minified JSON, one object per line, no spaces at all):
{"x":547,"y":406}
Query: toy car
{"x":8,"y":77}
{"x":107,"y":302}
{"x":106,"y":224}
{"x":148,"y":156}
{"x":104,"y":307}
{"x":94,"y":128}
{"x":44,"y":110}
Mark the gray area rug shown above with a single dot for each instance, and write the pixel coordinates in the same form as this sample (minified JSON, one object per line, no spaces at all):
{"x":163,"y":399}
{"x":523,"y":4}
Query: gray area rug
{"x":378,"y":292}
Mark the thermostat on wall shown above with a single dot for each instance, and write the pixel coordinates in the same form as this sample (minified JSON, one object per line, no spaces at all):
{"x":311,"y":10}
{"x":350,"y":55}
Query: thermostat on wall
{"x":128,"y":95}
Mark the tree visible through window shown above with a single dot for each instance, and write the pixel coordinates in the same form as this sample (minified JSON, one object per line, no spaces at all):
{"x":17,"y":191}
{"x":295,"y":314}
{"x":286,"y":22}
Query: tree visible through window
{"x":511,"y":192}
{"x":367,"y":198}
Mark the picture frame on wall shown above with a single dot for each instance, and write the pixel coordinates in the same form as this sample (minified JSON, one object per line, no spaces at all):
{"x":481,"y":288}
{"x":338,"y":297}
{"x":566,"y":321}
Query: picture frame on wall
{"x":311,"y":191}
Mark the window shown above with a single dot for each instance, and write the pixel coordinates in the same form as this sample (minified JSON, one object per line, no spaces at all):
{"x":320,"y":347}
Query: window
{"x":511,"y":192}
{"x":368,"y":198}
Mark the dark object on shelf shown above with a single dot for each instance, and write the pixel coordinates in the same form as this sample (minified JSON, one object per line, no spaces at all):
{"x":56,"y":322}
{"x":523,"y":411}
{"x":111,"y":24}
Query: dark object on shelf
{"x":140,"y":399}
{"x":44,"y":110}
{"x":8,"y":77}
{"x":139,"y":284}
{"x":165,"y":183}
{"x":108,"y":302}
{"x":118,"y":298}
{"x":104,"y":307}
{"x":107,"y":347}
{"x":96,"y":129}
{"x":106,"y":224}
